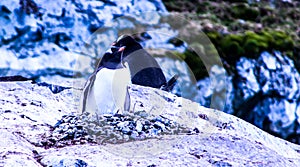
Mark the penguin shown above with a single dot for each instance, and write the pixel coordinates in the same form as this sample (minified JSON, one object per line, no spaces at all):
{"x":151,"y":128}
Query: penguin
{"x":124,"y":63}
{"x":144,"y":69}
{"x":106,"y":90}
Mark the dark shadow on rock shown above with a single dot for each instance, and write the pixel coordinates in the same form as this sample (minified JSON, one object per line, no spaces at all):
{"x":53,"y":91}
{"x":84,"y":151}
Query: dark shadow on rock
{"x":14,"y":78}
{"x":54,"y":88}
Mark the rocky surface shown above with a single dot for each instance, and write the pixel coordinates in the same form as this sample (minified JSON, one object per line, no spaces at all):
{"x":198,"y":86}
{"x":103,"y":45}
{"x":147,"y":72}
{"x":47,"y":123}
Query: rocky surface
{"x":40,"y":39}
{"x":260,"y":52}
{"x":30,"y":113}
{"x":263,"y":91}
{"x":46,"y":41}
{"x":273,"y":84}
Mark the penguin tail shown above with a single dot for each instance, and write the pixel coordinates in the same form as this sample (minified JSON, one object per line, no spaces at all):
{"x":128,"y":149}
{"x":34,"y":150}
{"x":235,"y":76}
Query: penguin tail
{"x":168,"y":86}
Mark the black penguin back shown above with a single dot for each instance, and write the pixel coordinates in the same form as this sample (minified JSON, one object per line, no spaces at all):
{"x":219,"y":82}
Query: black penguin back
{"x":152,"y":77}
{"x":144,"y":69}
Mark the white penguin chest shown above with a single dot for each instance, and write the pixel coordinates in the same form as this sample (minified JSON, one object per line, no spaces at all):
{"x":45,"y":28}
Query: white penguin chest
{"x":110,"y":88}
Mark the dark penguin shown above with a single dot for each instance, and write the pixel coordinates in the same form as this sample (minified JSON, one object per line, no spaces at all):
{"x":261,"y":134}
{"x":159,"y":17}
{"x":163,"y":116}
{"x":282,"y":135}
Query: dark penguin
{"x":124,"y":63}
{"x":106,"y":90}
{"x":144,"y":69}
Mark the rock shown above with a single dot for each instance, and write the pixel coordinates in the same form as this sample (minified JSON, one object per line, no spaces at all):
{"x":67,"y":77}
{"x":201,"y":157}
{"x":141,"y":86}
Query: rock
{"x":215,"y":91}
{"x":186,"y":86}
{"x":265,"y":92}
{"x":41,"y":39}
{"x":50,"y":42}
{"x":159,"y":126}
{"x":279,"y":83}
{"x":217,"y":138}
{"x":139,"y":126}
{"x":62,"y":39}
{"x":43,"y":64}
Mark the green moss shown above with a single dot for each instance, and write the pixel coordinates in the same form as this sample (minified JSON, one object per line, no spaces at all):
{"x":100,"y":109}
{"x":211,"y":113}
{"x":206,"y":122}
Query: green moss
{"x":180,"y":55}
{"x":250,"y":44}
{"x":240,"y":29}
{"x":289,"y":54}
{"x":250,"y":28}
{"x":255,"y":43}
{"x":244,"y":11}
{"x":251,"y":47}
{"x":282,"y":41}
{"x":194,"y":62}
{"x":228,"y":13}
{"x":214,"y":36}
{"x":231,"y":47}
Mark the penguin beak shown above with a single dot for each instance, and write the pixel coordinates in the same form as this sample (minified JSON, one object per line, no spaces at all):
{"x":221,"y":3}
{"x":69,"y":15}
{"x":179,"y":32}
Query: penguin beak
{"x":113,"y":44}
{"x":121,"y":49}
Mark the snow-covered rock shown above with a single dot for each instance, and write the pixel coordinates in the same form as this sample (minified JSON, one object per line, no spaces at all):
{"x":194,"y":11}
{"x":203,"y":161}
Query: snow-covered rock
{"x":29,"y":113}
{"x":42,"y":38}
{"x":265,"y":92}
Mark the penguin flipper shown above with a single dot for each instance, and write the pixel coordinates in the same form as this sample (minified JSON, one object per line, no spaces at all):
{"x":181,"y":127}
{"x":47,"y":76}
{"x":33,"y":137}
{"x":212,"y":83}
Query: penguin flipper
{"x":127,"y":101}
{"x":87,"y":96}
{"x":127,"y":97}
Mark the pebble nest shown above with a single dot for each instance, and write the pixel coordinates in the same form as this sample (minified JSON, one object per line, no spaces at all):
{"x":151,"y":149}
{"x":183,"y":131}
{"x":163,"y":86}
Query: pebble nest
{"x":114,"y":129}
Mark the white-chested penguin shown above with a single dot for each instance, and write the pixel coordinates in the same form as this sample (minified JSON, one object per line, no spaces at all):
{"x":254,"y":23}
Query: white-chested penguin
{"x":126,"y":62}
{"x":106,"y":90}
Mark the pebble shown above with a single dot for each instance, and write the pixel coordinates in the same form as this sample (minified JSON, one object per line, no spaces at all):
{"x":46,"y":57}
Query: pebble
{"x":116,"y":128}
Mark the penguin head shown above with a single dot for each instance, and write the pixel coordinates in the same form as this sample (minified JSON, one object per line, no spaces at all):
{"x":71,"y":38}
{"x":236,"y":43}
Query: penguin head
{"x":125,"y":44}
{"x":111,"y":60}
{"x":122,"y":47}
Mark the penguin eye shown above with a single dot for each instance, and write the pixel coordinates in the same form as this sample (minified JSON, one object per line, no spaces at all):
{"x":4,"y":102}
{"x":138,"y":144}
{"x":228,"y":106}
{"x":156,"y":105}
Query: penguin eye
{"x":114,"y":48}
